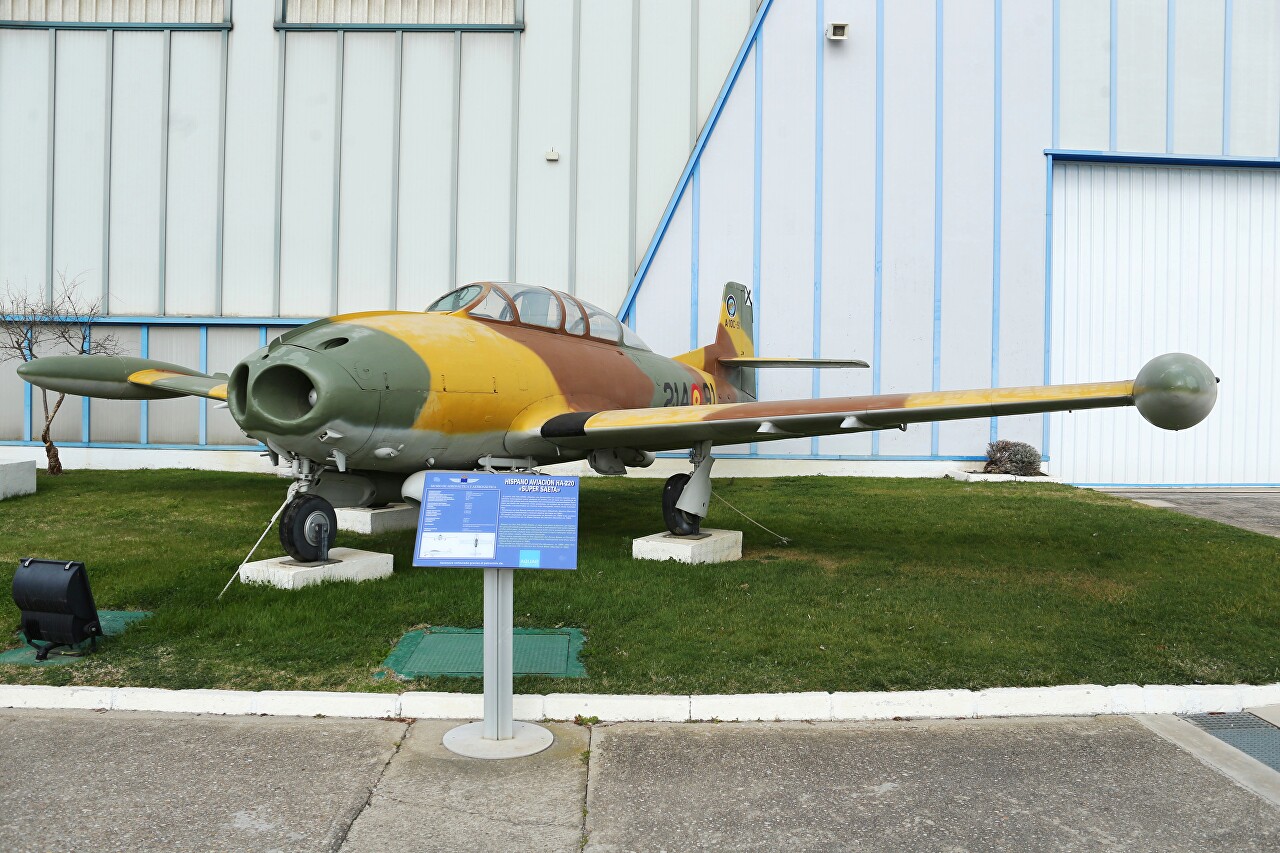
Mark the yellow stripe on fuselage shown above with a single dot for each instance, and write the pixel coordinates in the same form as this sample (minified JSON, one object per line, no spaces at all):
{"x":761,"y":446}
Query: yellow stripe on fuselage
{"x":466,"y":358}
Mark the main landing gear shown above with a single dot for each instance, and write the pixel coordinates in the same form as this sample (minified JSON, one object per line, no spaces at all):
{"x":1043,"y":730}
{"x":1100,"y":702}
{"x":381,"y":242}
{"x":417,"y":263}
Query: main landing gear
{"x":685,"y":497}
{"x":308,"y":528}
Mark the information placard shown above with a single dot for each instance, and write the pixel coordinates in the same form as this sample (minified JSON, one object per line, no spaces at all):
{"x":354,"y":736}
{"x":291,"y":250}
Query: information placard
{"x":513,"y":521}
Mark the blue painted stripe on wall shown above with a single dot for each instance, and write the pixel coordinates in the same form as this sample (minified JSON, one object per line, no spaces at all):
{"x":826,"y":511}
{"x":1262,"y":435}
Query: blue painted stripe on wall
{"x":1226,"y":76}
{"x":756,"y":201}
{"x":695,"y":251}
{"x":26,"y":409}
{"x":819,"y":107}
{"x":123,"y":445}
{"x":1048,"y":295}
{"x":627,"y":310}
{"x":1113,"y":59}
{"x":878,"y":301}
{"x":935,"y":427}
{"x":262,"y":336}
{"x":997,"y":199}
{"x":84,"y":401}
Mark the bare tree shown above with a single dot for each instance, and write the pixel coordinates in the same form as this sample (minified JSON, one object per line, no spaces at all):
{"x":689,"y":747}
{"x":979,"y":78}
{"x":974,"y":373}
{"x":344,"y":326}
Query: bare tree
{"x":62,"y":324}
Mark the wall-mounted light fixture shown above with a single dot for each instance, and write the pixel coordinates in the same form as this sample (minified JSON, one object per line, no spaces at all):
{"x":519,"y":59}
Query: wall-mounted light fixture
{"x":837,"y":32}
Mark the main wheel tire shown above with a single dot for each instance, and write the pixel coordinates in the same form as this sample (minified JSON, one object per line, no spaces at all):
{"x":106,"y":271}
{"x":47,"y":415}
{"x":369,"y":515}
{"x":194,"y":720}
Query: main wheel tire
{"x":678,"y":521}
{"x":299,"y":535}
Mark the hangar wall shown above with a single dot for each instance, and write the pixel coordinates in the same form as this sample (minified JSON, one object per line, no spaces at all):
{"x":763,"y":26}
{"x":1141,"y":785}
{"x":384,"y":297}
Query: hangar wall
{"x":219,"y":171}
{"x":890,"y":197}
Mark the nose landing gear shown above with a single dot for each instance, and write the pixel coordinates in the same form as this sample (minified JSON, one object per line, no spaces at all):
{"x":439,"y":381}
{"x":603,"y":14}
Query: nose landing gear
{"x":685,"y":497}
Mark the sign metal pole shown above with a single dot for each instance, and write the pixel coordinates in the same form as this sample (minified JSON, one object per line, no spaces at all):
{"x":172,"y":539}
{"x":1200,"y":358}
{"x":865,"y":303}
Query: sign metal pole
{"x":498,"y":645}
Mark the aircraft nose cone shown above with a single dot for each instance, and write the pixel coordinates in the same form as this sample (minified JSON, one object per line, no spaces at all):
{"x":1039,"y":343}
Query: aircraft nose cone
{"x":1175,"y":391}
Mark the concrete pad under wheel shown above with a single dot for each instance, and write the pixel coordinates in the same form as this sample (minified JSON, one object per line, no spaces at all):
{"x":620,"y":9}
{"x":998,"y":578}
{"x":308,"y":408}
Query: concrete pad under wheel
{"x":709,"y":546}
{"x":383,"y":519}
{"x":344,"y":564}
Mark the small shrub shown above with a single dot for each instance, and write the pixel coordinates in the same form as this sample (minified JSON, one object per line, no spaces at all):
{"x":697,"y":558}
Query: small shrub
{"x":1012,"y":457}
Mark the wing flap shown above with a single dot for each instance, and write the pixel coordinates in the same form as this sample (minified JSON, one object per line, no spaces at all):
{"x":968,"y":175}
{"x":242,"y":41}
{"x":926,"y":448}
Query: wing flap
{"x":193,"y":385}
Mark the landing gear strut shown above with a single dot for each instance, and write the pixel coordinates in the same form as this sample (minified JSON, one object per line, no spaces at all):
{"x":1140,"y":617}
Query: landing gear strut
{"x":686,"y":496}
{"x":308,"y":528}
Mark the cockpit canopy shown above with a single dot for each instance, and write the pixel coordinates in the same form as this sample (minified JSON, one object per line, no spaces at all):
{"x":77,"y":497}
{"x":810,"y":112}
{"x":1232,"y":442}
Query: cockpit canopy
{"x":536,"y":307}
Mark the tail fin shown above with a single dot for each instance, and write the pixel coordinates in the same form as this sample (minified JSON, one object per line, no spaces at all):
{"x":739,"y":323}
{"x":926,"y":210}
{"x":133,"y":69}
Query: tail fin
{"x":734,"y":339}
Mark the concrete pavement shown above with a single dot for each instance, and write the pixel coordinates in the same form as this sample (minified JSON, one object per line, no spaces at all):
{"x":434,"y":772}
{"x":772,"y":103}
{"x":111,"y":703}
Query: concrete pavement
{"x":140,"y":781}
{"x":1256,"y":509}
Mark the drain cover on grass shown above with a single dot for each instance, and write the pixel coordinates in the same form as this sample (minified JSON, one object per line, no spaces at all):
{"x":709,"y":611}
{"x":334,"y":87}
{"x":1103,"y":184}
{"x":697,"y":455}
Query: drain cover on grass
{"x":113,"y":624}
{"x":459,"y":652}
{"x":1251,"y":735}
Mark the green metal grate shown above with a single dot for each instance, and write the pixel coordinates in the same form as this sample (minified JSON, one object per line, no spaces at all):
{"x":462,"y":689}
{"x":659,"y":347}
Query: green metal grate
{"x":459,"y":652}
{"x":114,"y":622}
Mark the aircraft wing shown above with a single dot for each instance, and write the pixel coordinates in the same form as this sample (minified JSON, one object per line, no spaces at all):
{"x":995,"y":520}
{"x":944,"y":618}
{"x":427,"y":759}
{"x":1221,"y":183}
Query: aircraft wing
{"x":121,"y":378}
{"x":1173,"y":392}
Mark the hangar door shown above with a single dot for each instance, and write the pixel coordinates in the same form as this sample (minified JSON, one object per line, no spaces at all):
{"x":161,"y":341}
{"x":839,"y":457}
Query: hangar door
{"x":1153,"y":259}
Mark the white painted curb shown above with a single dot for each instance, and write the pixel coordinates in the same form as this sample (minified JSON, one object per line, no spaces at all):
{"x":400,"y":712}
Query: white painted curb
{"x":1066,"y":700}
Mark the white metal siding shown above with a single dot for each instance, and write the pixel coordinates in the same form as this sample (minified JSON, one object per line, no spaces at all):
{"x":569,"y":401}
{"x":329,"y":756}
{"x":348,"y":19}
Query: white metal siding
{"x":24,"y":158}
{"x":1150,"y":260}
{"x":401,"y":11}
{"x":115,"y":11}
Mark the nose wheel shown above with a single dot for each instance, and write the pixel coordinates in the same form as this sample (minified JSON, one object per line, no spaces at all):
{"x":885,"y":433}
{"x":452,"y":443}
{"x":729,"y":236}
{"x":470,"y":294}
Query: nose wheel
{"x":308,"y":528}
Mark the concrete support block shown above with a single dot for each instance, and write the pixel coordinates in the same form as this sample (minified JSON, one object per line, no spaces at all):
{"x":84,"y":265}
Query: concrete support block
{"x":719,"y":546}
{"x":346,"y":564}
{"x":183,"y":701}
{"x":17,"y":478}
{"x":617,"y":709}
{"x":41,"y":696}
{"x":912,"y":704}
{"x":305,"y":703}
{"x":384,"y":519}
{"x":761,"y":706}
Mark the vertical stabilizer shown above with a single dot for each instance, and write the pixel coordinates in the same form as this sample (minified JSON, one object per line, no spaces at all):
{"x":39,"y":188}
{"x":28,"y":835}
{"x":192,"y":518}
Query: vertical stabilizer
{"x":734,"y":339}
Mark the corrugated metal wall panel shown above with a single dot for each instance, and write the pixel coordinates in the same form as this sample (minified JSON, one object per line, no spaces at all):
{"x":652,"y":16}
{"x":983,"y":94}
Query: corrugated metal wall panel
{"x":24,"y":158}
{"x":1198,"y":77}
{"x":1085,"y":72}
{"x":664,"y":132}
{"x":307,"y":205}
{"x":194,"y":139}
{"x":427,"y":151}
{"x":115,"y":420}
{"x":368,"y":136}
{"x":1255,"y":79}
{"x":848,"y":210}
{"x":79,"y":152}
{"x":662,"y":314}
{"x":1026,"y":122}
{"x":784,"y":297}
{"x":12,"y":394}
{"x":226,"y":347}
{"x":252,"y":179}
{"x":174,"y":421}
{"x":137,"y":191}
{"x":401,"y":11}
{"x":721,"y":24}
{"x":485,"y":158}
{"x":1151,"y":260}
{"x":115,"y":11}
{"x":1141,"y":66}
{"x":906,"y":354}
{"x":604,"y":151}
{"x":546,"y":122}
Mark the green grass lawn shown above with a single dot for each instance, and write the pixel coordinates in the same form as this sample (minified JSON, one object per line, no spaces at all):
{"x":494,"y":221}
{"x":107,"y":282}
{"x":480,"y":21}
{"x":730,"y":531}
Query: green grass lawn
{"x":888,"y":584}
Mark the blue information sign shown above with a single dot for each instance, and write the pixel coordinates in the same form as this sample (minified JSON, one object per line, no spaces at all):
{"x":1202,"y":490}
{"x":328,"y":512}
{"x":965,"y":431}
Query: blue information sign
{"x":510,"y":521}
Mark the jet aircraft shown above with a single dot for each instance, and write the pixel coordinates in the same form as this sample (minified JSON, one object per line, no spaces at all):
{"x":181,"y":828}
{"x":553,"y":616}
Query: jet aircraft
{"x":508,"y":377}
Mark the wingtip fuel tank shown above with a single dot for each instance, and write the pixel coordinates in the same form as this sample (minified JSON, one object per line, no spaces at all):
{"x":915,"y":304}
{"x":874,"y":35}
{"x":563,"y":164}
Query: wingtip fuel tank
{"x":1175,"y":391}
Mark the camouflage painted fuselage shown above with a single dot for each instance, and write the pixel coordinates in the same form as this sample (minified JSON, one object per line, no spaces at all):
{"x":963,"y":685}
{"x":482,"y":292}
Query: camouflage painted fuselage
{"x":399,"y":391}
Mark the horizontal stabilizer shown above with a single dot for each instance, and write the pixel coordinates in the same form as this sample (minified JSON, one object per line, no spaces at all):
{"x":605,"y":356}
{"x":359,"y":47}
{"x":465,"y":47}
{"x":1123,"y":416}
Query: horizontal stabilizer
{"x":792,"y":362}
